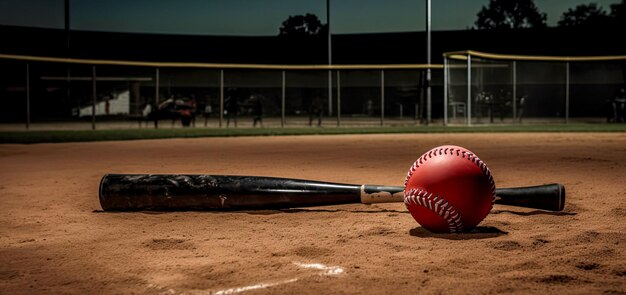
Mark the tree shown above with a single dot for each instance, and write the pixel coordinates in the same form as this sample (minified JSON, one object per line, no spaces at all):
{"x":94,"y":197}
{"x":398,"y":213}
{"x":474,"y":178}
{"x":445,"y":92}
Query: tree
{"x":302,"y":25}
{"x":618,"y":14}
{"x":584,"y":16}
{"x":618,"y":23}
{"x":506,"y":14}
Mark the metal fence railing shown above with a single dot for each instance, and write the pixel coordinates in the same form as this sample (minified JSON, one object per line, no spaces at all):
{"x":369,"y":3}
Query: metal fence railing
{"x":493,"y":88}
{"x":64,"y":93}
{"x":469,"y":88}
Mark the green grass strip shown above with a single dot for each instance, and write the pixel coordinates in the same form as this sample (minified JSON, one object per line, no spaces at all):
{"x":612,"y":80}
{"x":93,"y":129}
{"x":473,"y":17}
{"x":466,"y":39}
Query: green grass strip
{"x":28,"y":137}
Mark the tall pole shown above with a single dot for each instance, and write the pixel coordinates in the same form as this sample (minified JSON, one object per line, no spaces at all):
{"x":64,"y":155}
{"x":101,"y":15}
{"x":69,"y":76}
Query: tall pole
{"x":428,"y":72}
{"x":567,"y":92}
{"x":338,"y":99}
{"x":93,"y":97}
{"x":156,"y":99}
{"x":282,"y":102}
{"x":27,"y":96}
{"x":445,"y":91}
{"x":330,"y":61}
{"x":469,"y":90}
{"x":221,"y":97}
{"x":68,"y":70}
{"x":382,"y":97}
{"x":514,"y":91}
{"x":67,"y":25}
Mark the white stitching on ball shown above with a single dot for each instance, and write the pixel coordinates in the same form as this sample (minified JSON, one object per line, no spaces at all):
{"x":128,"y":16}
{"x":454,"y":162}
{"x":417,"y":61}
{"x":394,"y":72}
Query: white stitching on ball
{"x":446,"y":211}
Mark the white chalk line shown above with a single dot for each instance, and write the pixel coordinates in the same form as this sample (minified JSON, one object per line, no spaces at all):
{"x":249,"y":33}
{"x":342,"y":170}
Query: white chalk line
{"x":324,"y":270}
{"x":254,"y":287}
{"x":327,"y":270}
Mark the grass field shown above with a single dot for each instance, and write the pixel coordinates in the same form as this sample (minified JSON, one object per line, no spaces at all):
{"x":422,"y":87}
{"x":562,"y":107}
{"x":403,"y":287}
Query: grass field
{"x":27,"y":137}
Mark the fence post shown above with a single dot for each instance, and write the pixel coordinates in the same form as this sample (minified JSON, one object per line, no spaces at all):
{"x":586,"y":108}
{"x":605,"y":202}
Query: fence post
{"x":221,"y":97}
{"x":514,"y":91}
{"x":156,"y":99}
{"x":382,"y":97}
{"x":27,"y":96}
{"x":445,"y":91}
{"x":94,"y":98}
{"x":567,"y":92}
{"x":469,"y":90}
{"x":338,"y":99}
{"x":330,"y":92}
{"x":282,"y":103}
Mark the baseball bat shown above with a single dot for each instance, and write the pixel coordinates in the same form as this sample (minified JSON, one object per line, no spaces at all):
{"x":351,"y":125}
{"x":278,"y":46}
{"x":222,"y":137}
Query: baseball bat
{"x":160,"y":192}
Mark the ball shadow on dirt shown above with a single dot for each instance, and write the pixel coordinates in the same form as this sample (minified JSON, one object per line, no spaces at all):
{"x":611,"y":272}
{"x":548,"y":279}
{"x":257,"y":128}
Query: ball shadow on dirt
{"x":481,"y":232}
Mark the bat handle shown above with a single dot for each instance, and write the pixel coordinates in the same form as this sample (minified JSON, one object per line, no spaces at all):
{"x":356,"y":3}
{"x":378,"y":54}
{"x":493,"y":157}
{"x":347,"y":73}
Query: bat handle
{"x":545,"y":197}
{"x":371,"y":194}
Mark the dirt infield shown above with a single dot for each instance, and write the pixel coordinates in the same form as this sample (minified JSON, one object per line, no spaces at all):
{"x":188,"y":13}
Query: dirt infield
{"x":55,"y":239}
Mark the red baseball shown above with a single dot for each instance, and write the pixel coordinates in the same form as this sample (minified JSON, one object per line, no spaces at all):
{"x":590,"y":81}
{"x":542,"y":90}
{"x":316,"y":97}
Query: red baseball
{"x":449,"y":189}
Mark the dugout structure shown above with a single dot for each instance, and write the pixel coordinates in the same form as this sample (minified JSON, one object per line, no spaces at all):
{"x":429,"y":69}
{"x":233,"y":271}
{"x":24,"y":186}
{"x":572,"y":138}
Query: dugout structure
{"x":487,"y":88}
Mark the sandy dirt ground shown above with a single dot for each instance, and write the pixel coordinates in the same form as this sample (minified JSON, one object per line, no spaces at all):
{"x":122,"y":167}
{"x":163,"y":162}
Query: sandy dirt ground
{"x":55,"y":239}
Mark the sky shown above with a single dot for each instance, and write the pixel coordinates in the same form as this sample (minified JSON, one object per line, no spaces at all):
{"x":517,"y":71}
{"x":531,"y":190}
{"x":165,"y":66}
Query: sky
{"x":256,"y":17}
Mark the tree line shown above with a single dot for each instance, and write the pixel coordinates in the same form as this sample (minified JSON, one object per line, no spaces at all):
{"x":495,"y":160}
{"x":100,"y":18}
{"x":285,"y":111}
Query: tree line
{"x":497,"y":14}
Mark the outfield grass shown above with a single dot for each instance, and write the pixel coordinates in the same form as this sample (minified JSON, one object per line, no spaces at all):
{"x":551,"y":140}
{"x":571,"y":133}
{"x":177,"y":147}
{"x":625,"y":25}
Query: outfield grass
{"x":27,"y":137}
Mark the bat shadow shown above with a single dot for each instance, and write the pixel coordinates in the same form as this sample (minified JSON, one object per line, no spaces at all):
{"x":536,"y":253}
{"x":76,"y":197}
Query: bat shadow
{"x":159,"y":212}
{"x":534,"y":212}
{"x":481,"y":232}
{"x":151,"y":212}
{"x":342,"y":210}
{"x":251,"y":212}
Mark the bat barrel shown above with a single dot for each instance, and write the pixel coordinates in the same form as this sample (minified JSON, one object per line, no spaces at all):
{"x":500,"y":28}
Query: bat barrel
{"x":132,"y":192}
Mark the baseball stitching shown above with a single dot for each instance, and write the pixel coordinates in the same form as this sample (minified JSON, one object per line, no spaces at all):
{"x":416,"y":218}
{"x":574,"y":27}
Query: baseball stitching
{"x":425,"y":199}
{"x":436,"y":204}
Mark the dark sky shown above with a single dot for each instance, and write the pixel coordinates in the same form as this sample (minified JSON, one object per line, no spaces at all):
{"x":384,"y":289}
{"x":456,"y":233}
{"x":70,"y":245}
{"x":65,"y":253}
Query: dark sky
{"x":255,"y":17}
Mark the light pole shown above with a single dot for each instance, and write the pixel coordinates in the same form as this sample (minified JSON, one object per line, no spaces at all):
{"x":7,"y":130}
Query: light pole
{"x":330,"y":61}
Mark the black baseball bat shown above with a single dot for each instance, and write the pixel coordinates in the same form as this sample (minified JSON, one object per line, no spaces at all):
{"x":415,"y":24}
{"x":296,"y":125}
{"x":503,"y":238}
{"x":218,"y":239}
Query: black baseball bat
{"x":160,"y":192}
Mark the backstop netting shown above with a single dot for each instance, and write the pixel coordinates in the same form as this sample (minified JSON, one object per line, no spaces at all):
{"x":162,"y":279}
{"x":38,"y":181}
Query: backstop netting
{"x":483,"y":88}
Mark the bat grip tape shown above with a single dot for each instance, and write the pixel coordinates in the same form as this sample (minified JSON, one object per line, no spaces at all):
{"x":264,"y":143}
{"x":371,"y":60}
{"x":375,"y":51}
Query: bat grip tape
{"x":371,"y":194}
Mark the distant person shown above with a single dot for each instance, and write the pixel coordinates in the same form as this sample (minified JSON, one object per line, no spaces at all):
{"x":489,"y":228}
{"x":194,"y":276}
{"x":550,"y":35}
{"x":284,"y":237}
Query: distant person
{"x":316,"y":110}
{"x":167,"y":104}
{"x":500,"y":103}
{"x":182,"y":111}
{"x":521,"y":103}
{"x":107,"y":106}
{"x":610,"y":107}
{"x":208,"y":109}
{"x":369,"y":107}
{"x":166,"y":109}
{"x":193,"y":105}
{"x":484,"y":102}
{"x":231,"y":108}
{"x":147,"y":114}
{"x":186,"y":114}
{"x":256,"y":105}
{"x":620,"y":105}
{"x":147,"y":110}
